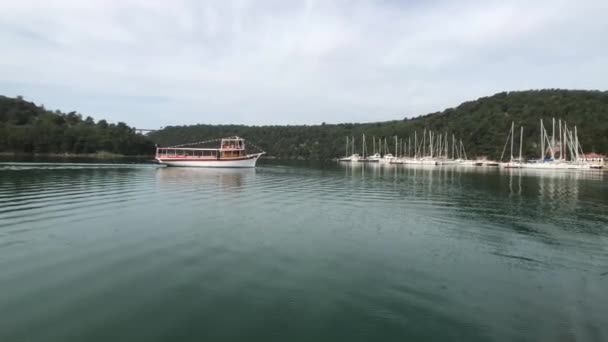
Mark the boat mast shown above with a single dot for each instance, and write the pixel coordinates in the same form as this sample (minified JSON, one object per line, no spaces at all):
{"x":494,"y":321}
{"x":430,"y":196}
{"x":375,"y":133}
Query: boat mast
{"x":346,"y":146}
{"x":504,"y":149}
{"x":431,"y":143}
{"x":409,"y":145}
{"x":561,"y":156}
{"x":570,"y":145}
{"x":521,"y":142}
{"x":385,"y":147}
{"x":396,"y":152}
{"x":439,"y":146}
{"x":577,"y":144}
{"x":424,"y":144}
{"x":464,"y":153}
{"x":415,"y":145}
{"x":453,"y":146}
{"x":374,"y":144}
{"x":447,"y":145}
{"x":553,"y":140}
{"x":512,"y":134}
{"x":364,"y":147}
{"x":566,"y":146}
{"x":542,"y":141}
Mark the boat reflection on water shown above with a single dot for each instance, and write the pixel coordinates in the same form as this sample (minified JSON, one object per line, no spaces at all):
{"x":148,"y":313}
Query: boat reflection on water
{"x":506,"y":198}
{"x":376,"y":169}
{"x":195,"y":178}
{"x":565,"y":174}
{"x":542,"y":185}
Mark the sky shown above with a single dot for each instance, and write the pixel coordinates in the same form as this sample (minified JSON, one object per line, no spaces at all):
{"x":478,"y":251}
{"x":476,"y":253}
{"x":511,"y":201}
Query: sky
{"x":153,"y":63}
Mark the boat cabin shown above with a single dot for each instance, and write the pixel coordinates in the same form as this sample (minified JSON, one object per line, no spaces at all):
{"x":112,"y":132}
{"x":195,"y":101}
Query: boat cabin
{"x":230,"y":148}
{"x":233,"y":147}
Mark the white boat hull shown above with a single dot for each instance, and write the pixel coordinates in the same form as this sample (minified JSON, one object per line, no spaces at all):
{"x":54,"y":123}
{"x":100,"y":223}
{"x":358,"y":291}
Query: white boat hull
{"x":247,"y":162}
{"x":512,"y":165}
{"x":354,"y":158}
{"x":561,"y":166}
{"x":423,"y":161}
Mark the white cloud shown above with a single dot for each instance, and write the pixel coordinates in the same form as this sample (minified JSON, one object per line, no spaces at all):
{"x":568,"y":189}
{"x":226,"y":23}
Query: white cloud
{"x":154,"y":63}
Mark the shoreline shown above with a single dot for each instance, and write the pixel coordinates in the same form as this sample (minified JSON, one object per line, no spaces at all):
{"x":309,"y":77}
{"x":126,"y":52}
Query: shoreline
{"x":96,"y":155}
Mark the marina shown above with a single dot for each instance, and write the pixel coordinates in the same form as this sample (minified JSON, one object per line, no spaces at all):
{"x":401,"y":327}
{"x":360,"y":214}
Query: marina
{"x":431,"y":149}
{"x":559,"y":151}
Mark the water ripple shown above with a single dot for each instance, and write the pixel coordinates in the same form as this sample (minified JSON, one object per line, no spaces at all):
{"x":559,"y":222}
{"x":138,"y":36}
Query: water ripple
{"x":460,"y":254}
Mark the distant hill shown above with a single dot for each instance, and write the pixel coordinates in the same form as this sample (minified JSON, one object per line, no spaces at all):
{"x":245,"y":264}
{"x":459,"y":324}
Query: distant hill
{"x":28,"y":128}
{"x":483,"y":125}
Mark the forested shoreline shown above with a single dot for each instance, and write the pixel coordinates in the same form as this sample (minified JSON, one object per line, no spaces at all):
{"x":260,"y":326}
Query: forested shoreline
{"x":482,"y":124}
{"x":26,"y":128}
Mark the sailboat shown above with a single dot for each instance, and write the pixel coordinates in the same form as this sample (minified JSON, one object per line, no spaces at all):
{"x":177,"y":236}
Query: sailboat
{"x":514,"y":163}
{"x":374,"y":158}
{"x":350,"y":147}
{"x":387,"y":157}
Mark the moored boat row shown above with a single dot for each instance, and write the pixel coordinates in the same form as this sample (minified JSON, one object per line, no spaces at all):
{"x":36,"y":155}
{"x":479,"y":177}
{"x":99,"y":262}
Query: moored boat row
{"x":557,"y":152}
{"x":431,"y":149}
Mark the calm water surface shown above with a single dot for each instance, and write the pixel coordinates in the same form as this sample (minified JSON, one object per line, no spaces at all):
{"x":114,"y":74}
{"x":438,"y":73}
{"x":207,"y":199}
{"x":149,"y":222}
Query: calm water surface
{"x":301,"y":253}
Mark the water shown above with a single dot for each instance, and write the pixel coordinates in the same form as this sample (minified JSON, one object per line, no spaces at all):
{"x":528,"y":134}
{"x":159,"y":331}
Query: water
{"x":301,"y":253}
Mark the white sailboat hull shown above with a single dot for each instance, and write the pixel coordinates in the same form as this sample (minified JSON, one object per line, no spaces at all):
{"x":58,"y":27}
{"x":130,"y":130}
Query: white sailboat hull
{"x":354,"y":158}
{"x":561,"y":166}
{"x":512,"y":165}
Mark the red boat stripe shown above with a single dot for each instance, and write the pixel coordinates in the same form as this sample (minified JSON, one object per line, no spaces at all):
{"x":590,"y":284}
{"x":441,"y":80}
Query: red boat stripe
{"x":201,"y":159}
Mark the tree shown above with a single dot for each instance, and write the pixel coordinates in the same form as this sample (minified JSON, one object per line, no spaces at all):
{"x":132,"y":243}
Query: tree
{"x":25,"y":127}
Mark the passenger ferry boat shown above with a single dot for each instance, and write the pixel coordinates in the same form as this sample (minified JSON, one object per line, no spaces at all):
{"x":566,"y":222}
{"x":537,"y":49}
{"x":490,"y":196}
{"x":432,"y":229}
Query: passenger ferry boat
{"x":231,"y":153}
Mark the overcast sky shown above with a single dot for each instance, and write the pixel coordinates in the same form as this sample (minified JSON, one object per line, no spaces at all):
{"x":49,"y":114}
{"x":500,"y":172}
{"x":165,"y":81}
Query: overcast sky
{"x":156,"y":63}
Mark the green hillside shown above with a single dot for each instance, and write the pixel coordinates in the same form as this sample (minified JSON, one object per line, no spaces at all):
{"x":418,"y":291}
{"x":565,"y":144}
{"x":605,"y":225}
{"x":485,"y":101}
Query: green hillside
{"x":28,"y":128}
{"x":482,"y":124}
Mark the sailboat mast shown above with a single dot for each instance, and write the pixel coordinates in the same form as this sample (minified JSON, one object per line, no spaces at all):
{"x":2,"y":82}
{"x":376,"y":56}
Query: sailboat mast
{"x":415,"y":145}
{"x":431,"y":143}
{"x":553,"y":140}
{"x":396,"y":152}
{"x":364,"y":147}
{"x":374,"y":144}
{"x":346,"y":154}
{"x":565,"y":141}
{"x":439,"y":147}
{"x":542,"y":141}
{"x":521,"y":142}
{"x":576,"y":144}
{"x":385,"y":146}
{"x":571,"y":145}
{"x":424,"y":143}
{"x":453,"y":146}
{"x":561,"y":143}
{"x":409,"y":145}
{"x":512,"y":133}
